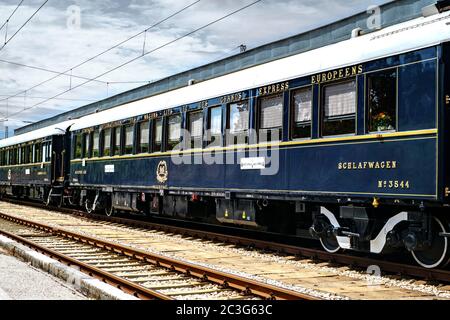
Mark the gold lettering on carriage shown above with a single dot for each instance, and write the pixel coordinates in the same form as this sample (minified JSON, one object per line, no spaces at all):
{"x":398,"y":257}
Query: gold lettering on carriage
{"x":232,"y":98}
{"x":368,"y":165}
{"x":339,"y":74}
{"x":273,"y":89}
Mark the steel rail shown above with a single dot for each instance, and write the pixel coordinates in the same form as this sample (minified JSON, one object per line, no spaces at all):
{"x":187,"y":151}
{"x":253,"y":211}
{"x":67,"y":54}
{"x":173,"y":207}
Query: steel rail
{"x":247,"y":286}
{"x":106,"y":277}
{"x":314,"y":254}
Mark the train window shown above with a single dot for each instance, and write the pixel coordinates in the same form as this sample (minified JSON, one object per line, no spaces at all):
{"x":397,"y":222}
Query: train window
{"x":238,"y":123}
{"x":157,"y":135}
{"x":301,"y":113}
{"x":11,"y":157}
{"x":339,"y":109}
{"x":129,"y":139}
{"x":30,"y":153}
{"x":144,"y":137}
{"x":214,"y":134}
{"x":86,"y":145}
{"x":116,"y":143}
{"x":27,"y":155}
{"x":22,"y":159}
{"x":382,"y":100}
{"x":96,"y":144}
{"x":196,"y":129}
{"x":77,"y":147}
{"x":106,"y":142}
{"x":38,"y":153}
{"x":23,"y":156}
{"x":46,"y":152}
{"x":174,"y":132}
{"x":271,"y":118}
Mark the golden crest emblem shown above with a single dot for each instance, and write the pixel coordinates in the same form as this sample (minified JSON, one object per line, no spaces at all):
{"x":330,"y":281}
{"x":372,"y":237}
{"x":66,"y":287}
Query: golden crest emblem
{"x":162,"y":172}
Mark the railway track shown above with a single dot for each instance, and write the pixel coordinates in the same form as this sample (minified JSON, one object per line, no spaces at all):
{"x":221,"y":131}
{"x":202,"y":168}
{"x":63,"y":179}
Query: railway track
{"x":302,"y":269}
{"x":142,"y":274}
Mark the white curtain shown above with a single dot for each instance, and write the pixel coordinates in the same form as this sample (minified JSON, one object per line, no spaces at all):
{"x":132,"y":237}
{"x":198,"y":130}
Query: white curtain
{"x":175,"y":128}
{"x":158,"y":132}
{"x":303,"y":105}
{"x":272,"y":112}
{"x":129,"y":136}
{"x":117,"y":137}
{"x":196,"y":120}
{"x":145,"y":133}
{"x":107,"y":139}
{"x":96,"y":141}
{"x":340,"y":99}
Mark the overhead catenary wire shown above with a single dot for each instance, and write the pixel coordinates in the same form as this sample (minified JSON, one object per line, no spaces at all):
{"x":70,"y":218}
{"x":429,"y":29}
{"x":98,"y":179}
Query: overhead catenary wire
{"x":145,"y":54}
{"x":68,"y":75}
{"x":23,"y":25}
{"x":107,"y":50}
{"x":63,"y":99}
{"x":12,"y":14}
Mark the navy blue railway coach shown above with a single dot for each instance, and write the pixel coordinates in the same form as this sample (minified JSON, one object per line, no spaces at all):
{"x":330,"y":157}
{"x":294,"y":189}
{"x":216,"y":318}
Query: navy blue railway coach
{"x":35,"y":165}
{"x":347,"y":144}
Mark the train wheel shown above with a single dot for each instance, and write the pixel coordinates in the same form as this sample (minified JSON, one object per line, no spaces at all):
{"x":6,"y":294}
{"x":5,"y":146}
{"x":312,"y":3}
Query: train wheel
{"x":330,"y":243}
{"x":324,"y":230}
{"x":438,"y":253}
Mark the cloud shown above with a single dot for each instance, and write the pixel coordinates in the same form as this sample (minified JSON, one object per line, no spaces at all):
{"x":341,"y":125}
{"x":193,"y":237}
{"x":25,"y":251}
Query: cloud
{"x":47,"y":42}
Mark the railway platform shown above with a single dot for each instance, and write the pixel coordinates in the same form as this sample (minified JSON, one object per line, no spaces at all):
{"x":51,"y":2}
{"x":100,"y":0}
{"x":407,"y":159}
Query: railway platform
{"x":20,"y":281}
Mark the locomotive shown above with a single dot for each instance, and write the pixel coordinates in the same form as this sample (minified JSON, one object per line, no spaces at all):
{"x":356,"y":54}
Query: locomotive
{"x":347,"y":144}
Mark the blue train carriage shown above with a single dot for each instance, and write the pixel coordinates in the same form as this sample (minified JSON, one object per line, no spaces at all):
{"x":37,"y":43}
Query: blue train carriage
{"x":347,"y":144}
{"x":35,"y":165}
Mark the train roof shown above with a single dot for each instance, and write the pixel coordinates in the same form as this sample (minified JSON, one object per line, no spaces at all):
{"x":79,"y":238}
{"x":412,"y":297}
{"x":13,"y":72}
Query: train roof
{"x":408,"y":36}
{"x":392,"y":13}
{"x":56,"y":129}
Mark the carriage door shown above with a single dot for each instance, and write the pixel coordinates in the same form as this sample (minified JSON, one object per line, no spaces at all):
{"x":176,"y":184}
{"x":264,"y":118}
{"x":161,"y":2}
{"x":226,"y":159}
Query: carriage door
{"x":445,"y":98}
{"x":57,"y":158}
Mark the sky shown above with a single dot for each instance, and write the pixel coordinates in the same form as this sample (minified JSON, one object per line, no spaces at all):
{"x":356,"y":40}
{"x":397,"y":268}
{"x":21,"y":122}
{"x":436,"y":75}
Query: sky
{"x":65,"y":33}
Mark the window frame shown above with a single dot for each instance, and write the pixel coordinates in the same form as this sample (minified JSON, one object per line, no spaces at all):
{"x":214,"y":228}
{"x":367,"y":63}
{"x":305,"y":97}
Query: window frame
{"x":86,"y":150}
{"x":153,"y":135}
{"x":292,"y":121}
{"x":38,"y":152}
{"x":103,"y":145}
{"x":77,"y":138}
{"x":139,"y":137}
{"x":93,"y":133}
{"x":228,"y":123}
{"x":366,"y":100}
{"x":124,"y":139}
{"x":208,"y":134}
{"x":258,"y":115}
{"x":167,"y":131}
{"x":115,"y":146}
{"x":191,"y":143}
{"x":322,"y":107}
